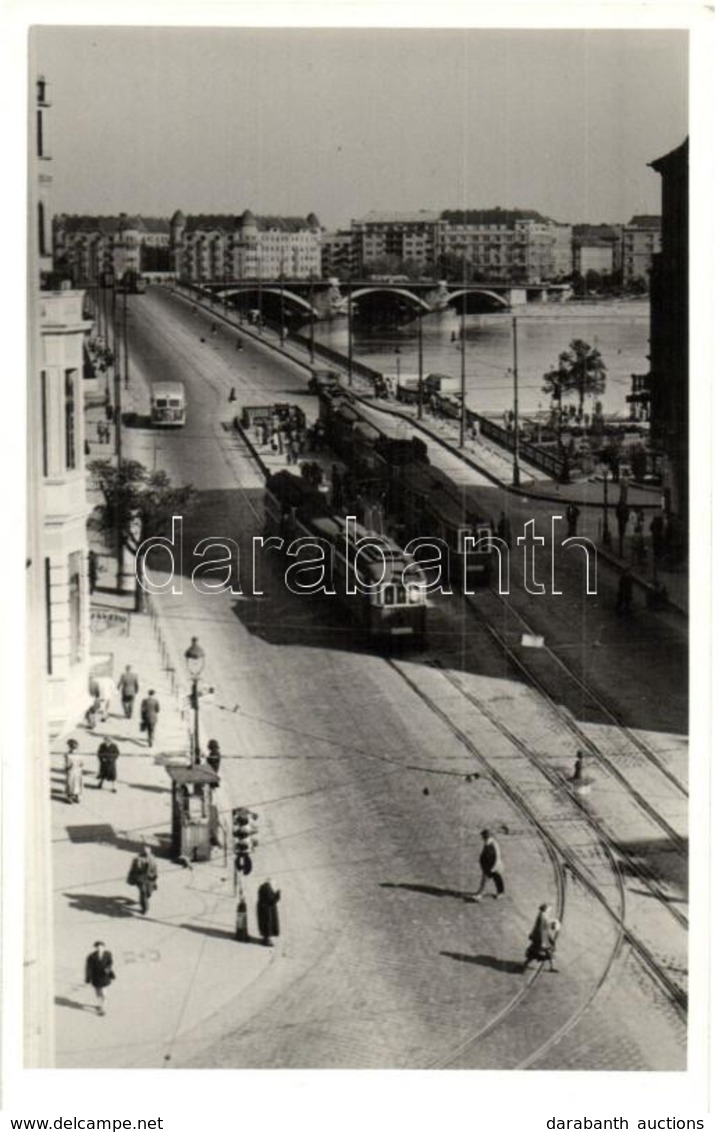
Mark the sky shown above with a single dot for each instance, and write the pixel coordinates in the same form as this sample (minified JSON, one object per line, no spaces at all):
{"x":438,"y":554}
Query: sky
{"x":342,"y":121}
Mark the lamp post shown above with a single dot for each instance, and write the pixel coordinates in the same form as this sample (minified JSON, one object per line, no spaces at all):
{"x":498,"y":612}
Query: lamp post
{"x":516,"y":473}
{"x":605,"y":534}
{"x":420,"y":389}
{"x":312,"y":323}
{"x":397,"y":364}
{"x":350,"y":335}
{"x":195,"y":658}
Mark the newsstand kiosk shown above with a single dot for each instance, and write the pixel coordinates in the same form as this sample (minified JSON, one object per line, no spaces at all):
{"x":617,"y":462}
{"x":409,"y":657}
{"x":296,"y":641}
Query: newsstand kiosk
{"x":194,"y":817}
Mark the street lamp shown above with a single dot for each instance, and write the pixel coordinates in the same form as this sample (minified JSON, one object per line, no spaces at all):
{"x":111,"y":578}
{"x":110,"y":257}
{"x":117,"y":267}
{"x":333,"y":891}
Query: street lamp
{"x":516,"y":473}
{"x":195,"y":658}
{"x":397,"y":364}
{"x":605,"y":534}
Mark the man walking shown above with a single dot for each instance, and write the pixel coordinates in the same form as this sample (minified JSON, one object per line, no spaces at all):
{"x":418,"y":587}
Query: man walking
{"x":107,"y":753}
{"x":572,"y":516}
{"x":490,"y":863}
{"x":128,"y":688}
{"x":149,"y":716}
{"x":143,"y":873}
{"x":99,"y":972}
{"x":267,"y":912}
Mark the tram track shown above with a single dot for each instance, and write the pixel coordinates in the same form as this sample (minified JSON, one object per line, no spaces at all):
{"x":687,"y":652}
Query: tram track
{"x":587,"y":855}
{"x":608,"y":711}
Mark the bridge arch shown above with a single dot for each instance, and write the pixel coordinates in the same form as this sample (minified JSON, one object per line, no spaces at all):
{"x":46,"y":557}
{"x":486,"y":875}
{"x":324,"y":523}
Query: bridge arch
{"x":254,"y":288}
{"x":410,"y":295}
{"x":468,"y":291}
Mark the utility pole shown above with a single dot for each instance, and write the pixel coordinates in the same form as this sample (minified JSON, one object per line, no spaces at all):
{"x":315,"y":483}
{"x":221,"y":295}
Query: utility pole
{"x":420,"y":388}
{"x":119,"y":533}
{"x":312,"y":323}
{"x":516,"y":475}
{"x":126,"y":343}
{"x":350,"y":335}
{"x":463,"y":378}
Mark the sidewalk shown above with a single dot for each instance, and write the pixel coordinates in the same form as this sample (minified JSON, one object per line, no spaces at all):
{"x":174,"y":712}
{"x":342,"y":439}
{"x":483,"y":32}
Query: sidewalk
{"x":177,"y":966}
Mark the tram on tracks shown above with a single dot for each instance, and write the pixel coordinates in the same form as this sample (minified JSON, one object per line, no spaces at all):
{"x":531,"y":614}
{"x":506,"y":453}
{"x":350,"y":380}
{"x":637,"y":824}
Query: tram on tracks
{"x":422,"y":499}
{"x":383,"y":589}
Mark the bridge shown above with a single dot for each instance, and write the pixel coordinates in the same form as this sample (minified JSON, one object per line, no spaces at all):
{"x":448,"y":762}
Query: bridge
{"x":301,"y":299}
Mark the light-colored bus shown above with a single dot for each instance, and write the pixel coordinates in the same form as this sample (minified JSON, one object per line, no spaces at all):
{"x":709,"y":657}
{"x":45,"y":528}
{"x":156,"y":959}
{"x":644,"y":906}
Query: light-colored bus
{"x":168,"y":404}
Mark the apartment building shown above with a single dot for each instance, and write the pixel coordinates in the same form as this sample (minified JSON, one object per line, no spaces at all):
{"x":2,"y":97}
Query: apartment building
{"x":216,"y":247}
{"x":641,"y":241}
{"x":87,"y":247}
{"x":410,"y":236}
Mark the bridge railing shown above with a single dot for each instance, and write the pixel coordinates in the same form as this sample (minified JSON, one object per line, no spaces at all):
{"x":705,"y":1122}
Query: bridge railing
{"x":334,"y":356}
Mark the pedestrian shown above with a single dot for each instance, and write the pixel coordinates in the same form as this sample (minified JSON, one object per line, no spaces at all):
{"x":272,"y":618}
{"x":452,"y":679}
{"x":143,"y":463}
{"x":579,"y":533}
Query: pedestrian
{"x":99,"y":972}
{"x":108,"y":412}
{"x":107,"y":753}
{"x":504,"y":529}
{"x":93,"y":713}
{"x":572,"y":515}
{"x":74,"y":767}
{"x":128,"y":687}
{"x":149,"y":716}
{"x":239,"y":343}
{"x":657,"y":531}
{"x":267,"y":912}
{"x":623,"y":513}
{"x":577,"y":775}
{"x":213,"y":758}
{"x":143,"y":873}
{"x":101,"y":688}
{"x":542,"y":938}
{"x":625,"y":591}
{"x":490,"y":863}
{"x":232,"y":394}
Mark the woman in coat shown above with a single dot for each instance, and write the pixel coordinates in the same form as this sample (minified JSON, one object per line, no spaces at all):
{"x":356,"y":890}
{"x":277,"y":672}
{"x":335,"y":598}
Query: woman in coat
{"x":542,"y":938}
{"x":267,"y":912}
{"x":73,"y":772}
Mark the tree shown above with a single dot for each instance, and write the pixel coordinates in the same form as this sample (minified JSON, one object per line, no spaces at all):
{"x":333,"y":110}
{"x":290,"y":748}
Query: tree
{"x":580,"y":370}
{"x":134,"y":495}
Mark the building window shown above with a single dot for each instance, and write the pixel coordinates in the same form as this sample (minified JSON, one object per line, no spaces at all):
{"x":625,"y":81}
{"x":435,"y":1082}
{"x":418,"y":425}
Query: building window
{"x":43,"y":409}
{"x":74,"y":563}
{"x":41,"y":240}
{"x":70,"y":421}
{"x":48,"y":617}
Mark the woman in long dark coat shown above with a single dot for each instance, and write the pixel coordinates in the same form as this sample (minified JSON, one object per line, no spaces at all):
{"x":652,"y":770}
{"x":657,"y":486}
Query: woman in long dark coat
{"x":542,"y":938}
{"x":267,"y":912}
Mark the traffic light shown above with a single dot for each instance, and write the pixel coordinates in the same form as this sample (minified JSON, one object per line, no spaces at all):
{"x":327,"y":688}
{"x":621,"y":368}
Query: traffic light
{"x":244,"y":838}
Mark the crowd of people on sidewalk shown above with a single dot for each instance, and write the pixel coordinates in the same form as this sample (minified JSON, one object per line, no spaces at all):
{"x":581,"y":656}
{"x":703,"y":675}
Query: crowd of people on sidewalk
{"x":143,"y":871}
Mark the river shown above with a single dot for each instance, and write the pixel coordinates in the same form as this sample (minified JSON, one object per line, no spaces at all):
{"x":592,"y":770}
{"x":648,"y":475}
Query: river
{"x":619,"y":329}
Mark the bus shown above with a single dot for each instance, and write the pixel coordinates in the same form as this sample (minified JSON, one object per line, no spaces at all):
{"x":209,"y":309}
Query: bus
{"x":168,"y":404}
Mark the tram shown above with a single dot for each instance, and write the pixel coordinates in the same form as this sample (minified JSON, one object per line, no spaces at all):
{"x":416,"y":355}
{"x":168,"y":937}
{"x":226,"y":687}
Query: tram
{"x":422,"y":500}
{"x":382,"y":587}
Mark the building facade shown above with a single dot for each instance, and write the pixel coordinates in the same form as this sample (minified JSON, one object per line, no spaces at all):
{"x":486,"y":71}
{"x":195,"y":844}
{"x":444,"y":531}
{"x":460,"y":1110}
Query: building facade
{"x":597,"y":248}
{"x":494,"y":244}
{"x":89,"y":247}
{"x":405,"y":236}
{"x":224,"y":247}
{"x":57,"y":592}
{"x":669,"y":322}
{"x":641,"y":241}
